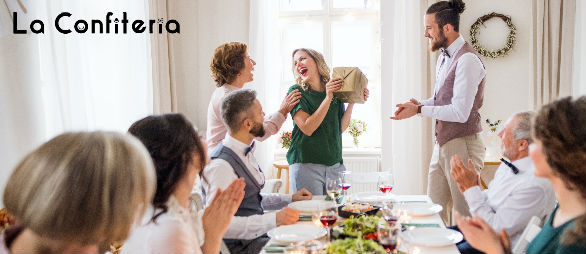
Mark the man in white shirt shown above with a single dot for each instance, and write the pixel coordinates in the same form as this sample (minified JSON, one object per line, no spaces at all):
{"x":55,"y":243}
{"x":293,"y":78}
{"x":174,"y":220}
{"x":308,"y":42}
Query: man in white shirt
{"x":458,"y":97}
{"x":234,"y":158}
{"x":515,"y":194}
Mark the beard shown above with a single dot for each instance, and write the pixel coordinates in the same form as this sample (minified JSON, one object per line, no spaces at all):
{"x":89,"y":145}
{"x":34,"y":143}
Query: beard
{"x":509,"y":153}
{"x":258,"y":130}
{"x":440,"y":42}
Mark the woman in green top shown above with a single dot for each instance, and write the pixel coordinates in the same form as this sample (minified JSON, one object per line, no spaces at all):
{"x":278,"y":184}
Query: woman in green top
{"x":559,"y":154}
{"x":319,"y":120}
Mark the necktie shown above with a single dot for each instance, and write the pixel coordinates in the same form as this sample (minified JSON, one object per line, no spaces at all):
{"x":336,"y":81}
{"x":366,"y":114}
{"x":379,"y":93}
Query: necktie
{"x":513,"y":167}
{"x":249,"y":149}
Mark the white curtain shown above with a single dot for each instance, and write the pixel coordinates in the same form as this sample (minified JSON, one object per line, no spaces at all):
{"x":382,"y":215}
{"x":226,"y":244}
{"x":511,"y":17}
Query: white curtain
{"x":52,"y":82}
{"x":579,"y":81}
{"x":263,"y":34}
{"x":164,"y":85}
{"x":553,"y":38}
{"x":406,"y":64}
{"x":94,"y":81}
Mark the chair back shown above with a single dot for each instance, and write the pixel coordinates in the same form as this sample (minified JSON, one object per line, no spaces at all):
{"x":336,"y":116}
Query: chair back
{"x":272,"y":186}
{"x":533,"y":228}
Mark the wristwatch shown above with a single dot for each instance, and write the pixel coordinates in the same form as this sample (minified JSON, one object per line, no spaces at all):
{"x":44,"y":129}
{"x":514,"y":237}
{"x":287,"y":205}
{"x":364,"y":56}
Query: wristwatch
{"x":419,"y":108}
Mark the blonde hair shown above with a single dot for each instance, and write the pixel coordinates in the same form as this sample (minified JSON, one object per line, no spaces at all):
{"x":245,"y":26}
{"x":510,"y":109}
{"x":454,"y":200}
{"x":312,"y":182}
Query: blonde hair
{"x":84,"y":187}
{"x":227,"y":62}
{"x":320,"y":62}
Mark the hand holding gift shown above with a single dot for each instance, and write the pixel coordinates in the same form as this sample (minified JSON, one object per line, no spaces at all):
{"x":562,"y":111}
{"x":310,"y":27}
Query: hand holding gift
{"x":354,"y":83}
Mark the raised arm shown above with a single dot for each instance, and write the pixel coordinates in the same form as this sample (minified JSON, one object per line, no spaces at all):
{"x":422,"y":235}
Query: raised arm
{"x":309,"y":123}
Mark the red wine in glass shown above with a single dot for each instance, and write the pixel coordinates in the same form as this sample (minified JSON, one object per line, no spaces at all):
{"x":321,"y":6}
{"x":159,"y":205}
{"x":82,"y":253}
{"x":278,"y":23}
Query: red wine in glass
{"x":327,"y":220}
{"x":346,"y":186}
{"x":391,"y":219}
{"x":385,"y":188}
{"x":388,"y":245}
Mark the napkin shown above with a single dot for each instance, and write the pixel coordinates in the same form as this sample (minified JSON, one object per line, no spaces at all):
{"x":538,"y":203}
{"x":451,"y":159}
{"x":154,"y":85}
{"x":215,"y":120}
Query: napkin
{"x":353,"y":85}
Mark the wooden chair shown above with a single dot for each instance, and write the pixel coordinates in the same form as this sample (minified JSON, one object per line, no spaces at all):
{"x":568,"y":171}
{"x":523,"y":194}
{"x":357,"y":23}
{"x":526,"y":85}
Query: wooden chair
{"x":483,"y":185}
{"x":283,"y":165}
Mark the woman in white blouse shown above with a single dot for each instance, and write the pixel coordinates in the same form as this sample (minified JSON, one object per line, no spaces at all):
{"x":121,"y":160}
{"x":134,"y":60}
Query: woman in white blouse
{"x":179,"y":156}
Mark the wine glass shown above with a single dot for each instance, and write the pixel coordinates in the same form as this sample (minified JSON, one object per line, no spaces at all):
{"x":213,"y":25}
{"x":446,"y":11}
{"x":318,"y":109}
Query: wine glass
{"x":390,"y":215}
{"x":346,"y":181}
{"x":387,"y":237}
{"x":334,"y":187}
{"x":385,"y":182}
{"x":327,"y":216}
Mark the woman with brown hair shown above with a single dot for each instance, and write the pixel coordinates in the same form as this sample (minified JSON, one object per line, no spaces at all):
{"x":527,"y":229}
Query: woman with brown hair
{"x":77,"y":192}
{"x":319,"y":121}
{"x":232,"y":68}
{"x":559,"y":154}
{"x":179,"y":156}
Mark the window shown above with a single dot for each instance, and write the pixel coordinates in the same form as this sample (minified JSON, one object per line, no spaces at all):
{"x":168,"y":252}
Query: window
{"x":347,"y":33}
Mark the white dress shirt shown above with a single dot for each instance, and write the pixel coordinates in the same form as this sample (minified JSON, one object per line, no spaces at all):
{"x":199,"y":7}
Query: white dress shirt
{"x":469,"y":74}
{"x":176,"y":231}
{"x":216,"y":129}
{"x":220,"y":174}
{"x":512,"y":199}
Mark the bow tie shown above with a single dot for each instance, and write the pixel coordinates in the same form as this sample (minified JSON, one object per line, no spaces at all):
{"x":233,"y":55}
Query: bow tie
{"x":445,"y":52}
{"x":249,"y":149}
{"x":513,"y":167}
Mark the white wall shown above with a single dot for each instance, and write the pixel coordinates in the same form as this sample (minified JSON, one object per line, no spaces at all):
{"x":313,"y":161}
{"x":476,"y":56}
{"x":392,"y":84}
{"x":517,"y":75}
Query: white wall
{"x":508,"y":86}
{"x":204,"y":26}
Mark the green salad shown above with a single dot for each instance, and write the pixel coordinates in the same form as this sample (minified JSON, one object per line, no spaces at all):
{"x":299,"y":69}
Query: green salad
{"x":355,"y":246}
{"x":362,"y":225}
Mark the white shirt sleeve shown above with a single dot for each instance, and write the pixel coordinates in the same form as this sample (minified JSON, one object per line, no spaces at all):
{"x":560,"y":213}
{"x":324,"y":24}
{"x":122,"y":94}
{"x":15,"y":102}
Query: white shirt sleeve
{"x":512,"y":214}
{"x":219,"y":174}
{"x":428,"y":102}
{"x":251,"y":227}
{"x":275,"y":201}
{"x":469,"y":74}
{"x":272,"y":124}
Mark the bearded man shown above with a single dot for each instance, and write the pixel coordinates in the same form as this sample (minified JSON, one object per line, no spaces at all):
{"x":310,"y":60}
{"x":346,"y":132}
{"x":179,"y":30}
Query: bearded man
{"x":458,"y":96}
{"x":234,"y":158}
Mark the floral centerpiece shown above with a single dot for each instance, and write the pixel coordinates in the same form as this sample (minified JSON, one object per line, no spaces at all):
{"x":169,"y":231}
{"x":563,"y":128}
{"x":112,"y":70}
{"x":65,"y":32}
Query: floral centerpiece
{"x":6,"y":220}
{"x":285,"y":139}
{"x":356,"y":128}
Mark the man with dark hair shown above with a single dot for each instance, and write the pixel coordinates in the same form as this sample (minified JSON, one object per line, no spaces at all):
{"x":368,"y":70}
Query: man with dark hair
{"x":458,"y":96}
{"x":234,"y":158}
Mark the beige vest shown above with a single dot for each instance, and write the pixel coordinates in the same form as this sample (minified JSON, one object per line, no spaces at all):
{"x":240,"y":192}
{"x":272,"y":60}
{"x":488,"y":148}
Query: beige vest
{"x":444,"y":130}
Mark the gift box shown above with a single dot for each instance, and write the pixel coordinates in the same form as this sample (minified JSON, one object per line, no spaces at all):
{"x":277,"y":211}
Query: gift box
{"x":354,"y":83}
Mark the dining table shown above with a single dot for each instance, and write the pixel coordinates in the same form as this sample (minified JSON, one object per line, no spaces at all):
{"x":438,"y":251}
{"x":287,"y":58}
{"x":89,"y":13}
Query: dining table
{"x":403,"y":246}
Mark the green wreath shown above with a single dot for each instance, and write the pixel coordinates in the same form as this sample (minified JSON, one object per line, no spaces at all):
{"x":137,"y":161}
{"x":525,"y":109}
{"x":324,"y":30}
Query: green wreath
{"x":510,"y":38}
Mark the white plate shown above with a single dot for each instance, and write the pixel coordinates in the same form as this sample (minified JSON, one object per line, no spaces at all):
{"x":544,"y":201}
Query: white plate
{"x":432,"y":237}
{"x":420,"y":209}
{"x":296,"y":233}
{"x":310,"y":206}
{"x":372,"y":197}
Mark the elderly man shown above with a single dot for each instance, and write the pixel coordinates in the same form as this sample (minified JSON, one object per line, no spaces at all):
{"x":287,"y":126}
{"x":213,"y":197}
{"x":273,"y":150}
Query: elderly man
{"x":515,"y":194}
{"x":234,"y":158}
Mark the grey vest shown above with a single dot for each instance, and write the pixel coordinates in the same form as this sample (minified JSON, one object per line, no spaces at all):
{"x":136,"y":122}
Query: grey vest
{"x":444,"y":130}
{"x":250,"y":205}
